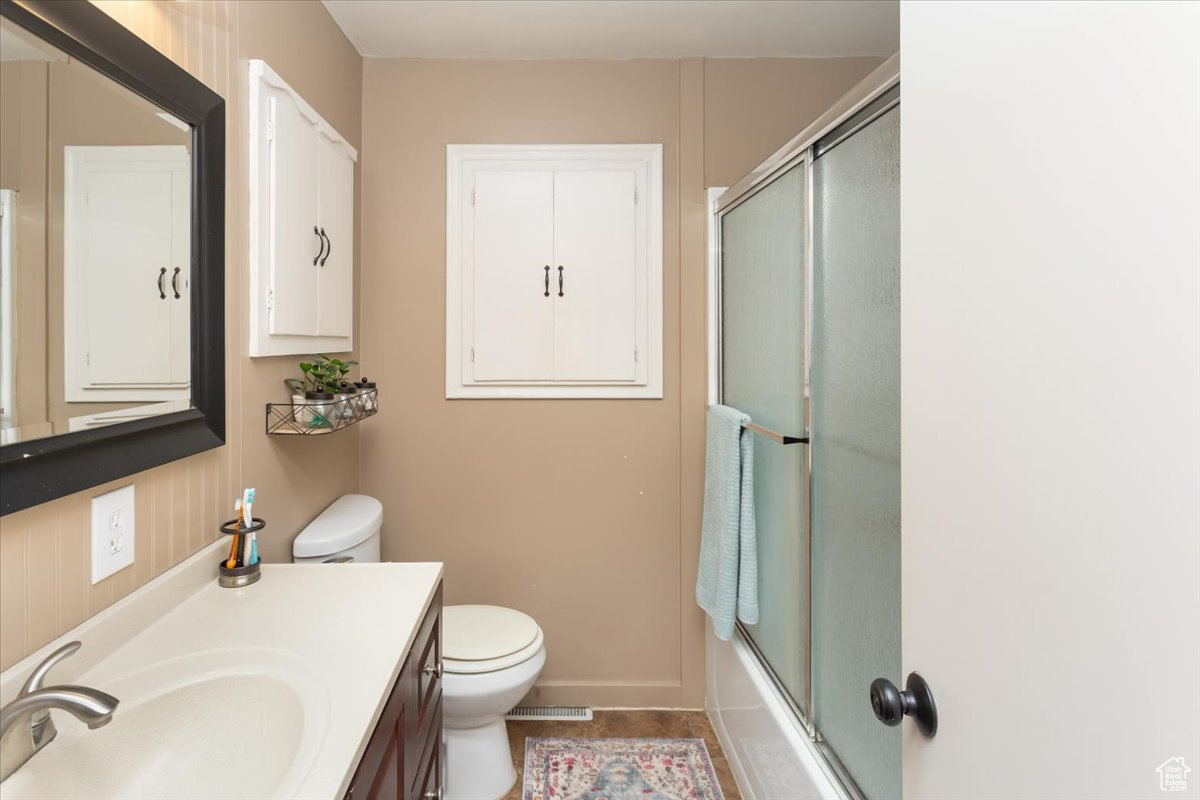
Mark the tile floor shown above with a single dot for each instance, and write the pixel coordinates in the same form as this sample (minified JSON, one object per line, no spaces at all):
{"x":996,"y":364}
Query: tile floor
{"x":626,"y":725}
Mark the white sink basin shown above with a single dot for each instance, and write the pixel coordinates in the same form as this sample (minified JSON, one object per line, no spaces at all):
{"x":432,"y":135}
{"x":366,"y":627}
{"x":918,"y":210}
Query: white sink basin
{"x":170,"y":736}
{"x":268,"y":691}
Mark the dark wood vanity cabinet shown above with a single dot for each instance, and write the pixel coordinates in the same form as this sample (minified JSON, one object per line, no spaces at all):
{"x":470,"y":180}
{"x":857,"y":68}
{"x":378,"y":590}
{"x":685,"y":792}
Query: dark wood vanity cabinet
{"x":403,"y":759}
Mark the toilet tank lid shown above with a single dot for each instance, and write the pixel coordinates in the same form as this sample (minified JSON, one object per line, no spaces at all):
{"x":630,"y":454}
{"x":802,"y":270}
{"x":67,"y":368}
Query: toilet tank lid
{"x":349,"y":520}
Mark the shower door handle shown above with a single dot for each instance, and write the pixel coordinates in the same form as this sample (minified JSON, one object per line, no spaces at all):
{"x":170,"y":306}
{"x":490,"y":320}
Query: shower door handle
{"x":891,"y":705}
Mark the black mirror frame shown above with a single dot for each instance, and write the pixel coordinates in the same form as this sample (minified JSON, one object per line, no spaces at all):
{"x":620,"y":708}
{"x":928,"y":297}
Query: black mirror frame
{"x":40,"y":470}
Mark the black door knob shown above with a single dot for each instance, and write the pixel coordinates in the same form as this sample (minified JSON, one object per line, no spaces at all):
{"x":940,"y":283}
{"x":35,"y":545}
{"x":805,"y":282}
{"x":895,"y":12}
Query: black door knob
{"x":891,"y":705}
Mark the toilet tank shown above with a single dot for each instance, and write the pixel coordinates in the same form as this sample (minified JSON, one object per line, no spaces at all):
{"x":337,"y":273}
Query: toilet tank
{"x":347,"y":530}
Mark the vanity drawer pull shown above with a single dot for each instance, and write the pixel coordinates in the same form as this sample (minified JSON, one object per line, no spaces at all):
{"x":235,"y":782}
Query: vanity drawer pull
{"x":433,"y":669}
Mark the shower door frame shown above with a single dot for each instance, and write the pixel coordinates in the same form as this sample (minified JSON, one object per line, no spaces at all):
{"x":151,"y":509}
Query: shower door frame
{"x":798,"y":151}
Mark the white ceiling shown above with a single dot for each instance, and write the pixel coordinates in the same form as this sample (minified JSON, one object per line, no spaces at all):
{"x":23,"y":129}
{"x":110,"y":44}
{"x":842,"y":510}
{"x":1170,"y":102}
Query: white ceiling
{"x":619,"y":28}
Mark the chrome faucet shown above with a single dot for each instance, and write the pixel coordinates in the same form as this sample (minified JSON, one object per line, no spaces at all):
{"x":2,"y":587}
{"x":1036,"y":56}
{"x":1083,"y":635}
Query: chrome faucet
{"x":25,"y":723}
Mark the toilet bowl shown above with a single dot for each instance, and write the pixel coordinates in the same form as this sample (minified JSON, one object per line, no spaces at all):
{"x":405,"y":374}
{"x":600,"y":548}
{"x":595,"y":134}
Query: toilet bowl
{"x":490,"y":658}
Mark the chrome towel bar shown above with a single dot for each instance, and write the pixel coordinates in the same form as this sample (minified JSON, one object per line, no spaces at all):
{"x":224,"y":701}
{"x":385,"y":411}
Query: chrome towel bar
{"x":774,"y":436}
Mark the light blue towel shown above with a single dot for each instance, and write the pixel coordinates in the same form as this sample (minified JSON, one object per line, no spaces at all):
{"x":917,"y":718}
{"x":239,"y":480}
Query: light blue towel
{"x":727,"y":584}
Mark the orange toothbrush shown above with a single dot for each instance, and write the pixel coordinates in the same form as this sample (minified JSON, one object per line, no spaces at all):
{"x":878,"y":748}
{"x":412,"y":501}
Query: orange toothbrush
{"x":233,"y":552}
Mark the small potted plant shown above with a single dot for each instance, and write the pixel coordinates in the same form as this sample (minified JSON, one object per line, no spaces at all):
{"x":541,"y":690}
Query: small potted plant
{"x":321,"y":381}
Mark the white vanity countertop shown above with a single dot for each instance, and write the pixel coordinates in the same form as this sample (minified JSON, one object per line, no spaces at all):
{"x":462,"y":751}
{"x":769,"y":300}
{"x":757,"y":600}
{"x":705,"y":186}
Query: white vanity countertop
{"x":328,"y":639}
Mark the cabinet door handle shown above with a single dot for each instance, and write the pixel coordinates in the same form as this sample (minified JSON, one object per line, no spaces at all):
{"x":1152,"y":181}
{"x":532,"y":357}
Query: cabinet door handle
{"x":175,"y":283}
{"x":162,"y":293}
{"x":320,"y":239}
{"x":547,"y":281}
{"x":328,"y":247}
{"x":560,"y":281}
{"x":436,"y":670}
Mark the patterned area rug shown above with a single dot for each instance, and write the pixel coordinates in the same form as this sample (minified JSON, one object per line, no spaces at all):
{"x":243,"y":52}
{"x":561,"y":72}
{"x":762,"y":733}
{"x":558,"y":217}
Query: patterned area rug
{"x":619,"y":769}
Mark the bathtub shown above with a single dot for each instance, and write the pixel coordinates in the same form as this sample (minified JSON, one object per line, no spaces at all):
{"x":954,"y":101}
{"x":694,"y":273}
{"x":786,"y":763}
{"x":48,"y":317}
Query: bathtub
{"x":767,"y":746}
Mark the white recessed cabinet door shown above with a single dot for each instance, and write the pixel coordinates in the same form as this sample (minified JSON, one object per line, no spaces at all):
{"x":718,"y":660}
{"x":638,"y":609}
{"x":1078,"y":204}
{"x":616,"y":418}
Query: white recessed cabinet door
{"x":513,"y":247}
{"x":595,"y":257}
{"x":554,"y":271}
{"x":302,"y":224}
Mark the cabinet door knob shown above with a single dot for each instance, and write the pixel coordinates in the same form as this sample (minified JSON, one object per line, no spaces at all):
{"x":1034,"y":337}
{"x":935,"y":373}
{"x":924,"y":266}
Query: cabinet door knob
{"x":435,"y":670}
{"x":560,"y":281}
{"x":547,"y":281}
{"x":321,"y":240}
{"x":434,"y":794}
{"x":328,"y":247}
{"x":162,"y":293}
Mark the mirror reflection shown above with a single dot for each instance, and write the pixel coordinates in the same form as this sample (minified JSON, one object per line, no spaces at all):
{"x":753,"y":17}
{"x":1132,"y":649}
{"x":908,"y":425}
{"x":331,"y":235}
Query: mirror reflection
{"x":95,"y":253}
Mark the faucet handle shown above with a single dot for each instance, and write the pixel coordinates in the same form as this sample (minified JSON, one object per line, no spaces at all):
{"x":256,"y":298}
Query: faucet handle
{"x":37,"y":677}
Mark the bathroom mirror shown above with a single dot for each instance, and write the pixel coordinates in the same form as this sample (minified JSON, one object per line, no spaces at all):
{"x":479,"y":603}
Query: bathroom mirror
{"x":111,"y":254}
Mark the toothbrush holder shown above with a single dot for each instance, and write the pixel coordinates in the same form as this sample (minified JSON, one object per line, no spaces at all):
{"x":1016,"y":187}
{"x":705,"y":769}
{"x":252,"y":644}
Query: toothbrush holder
{"x":238,"y":577}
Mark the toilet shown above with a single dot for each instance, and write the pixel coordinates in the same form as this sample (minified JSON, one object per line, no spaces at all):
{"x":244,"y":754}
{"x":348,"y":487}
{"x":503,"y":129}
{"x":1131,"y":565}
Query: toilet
{"x":491,"y":655}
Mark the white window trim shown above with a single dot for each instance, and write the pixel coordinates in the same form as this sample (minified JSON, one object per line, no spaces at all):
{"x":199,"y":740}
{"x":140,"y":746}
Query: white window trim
{"x":457,"y":157}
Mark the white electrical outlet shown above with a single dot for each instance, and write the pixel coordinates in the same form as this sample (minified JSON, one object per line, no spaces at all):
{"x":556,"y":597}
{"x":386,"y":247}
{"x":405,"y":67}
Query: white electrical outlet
{"x":112,"y":532}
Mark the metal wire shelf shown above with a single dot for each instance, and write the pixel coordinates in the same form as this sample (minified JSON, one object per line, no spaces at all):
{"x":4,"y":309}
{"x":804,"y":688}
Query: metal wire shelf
{"x":320,"y":417}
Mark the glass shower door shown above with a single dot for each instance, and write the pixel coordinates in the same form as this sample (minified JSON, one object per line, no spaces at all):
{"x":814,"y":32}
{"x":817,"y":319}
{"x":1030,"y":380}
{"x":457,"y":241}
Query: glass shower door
{"x":856,"y":440}
{"x":762,"y":374}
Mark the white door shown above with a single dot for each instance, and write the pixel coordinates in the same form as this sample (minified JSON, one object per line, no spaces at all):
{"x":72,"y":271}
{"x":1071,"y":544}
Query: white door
{"x":335,"y":214}
{"x":1051,"y":396}
{"x":595,"y":268}
{"x":126,"y":232}
{"x":295,"y":241}
{"x":508,"y":250}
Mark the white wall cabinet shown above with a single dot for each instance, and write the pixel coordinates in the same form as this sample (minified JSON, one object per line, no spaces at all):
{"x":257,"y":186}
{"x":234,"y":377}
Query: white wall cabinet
{"x":301,"y":226}
{"x":126,"y":272}
{"x":554,"y":271}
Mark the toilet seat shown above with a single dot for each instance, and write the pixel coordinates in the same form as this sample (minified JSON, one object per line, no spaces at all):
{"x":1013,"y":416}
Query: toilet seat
{"x":478,"y":639}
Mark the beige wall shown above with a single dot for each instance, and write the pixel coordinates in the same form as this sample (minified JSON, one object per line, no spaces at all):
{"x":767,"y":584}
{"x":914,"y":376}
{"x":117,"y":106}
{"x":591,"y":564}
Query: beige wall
{"x":44,"y":582}
{"x":584,"y":513}
{"x":753,"y":106}
{"x":23,"y":169}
